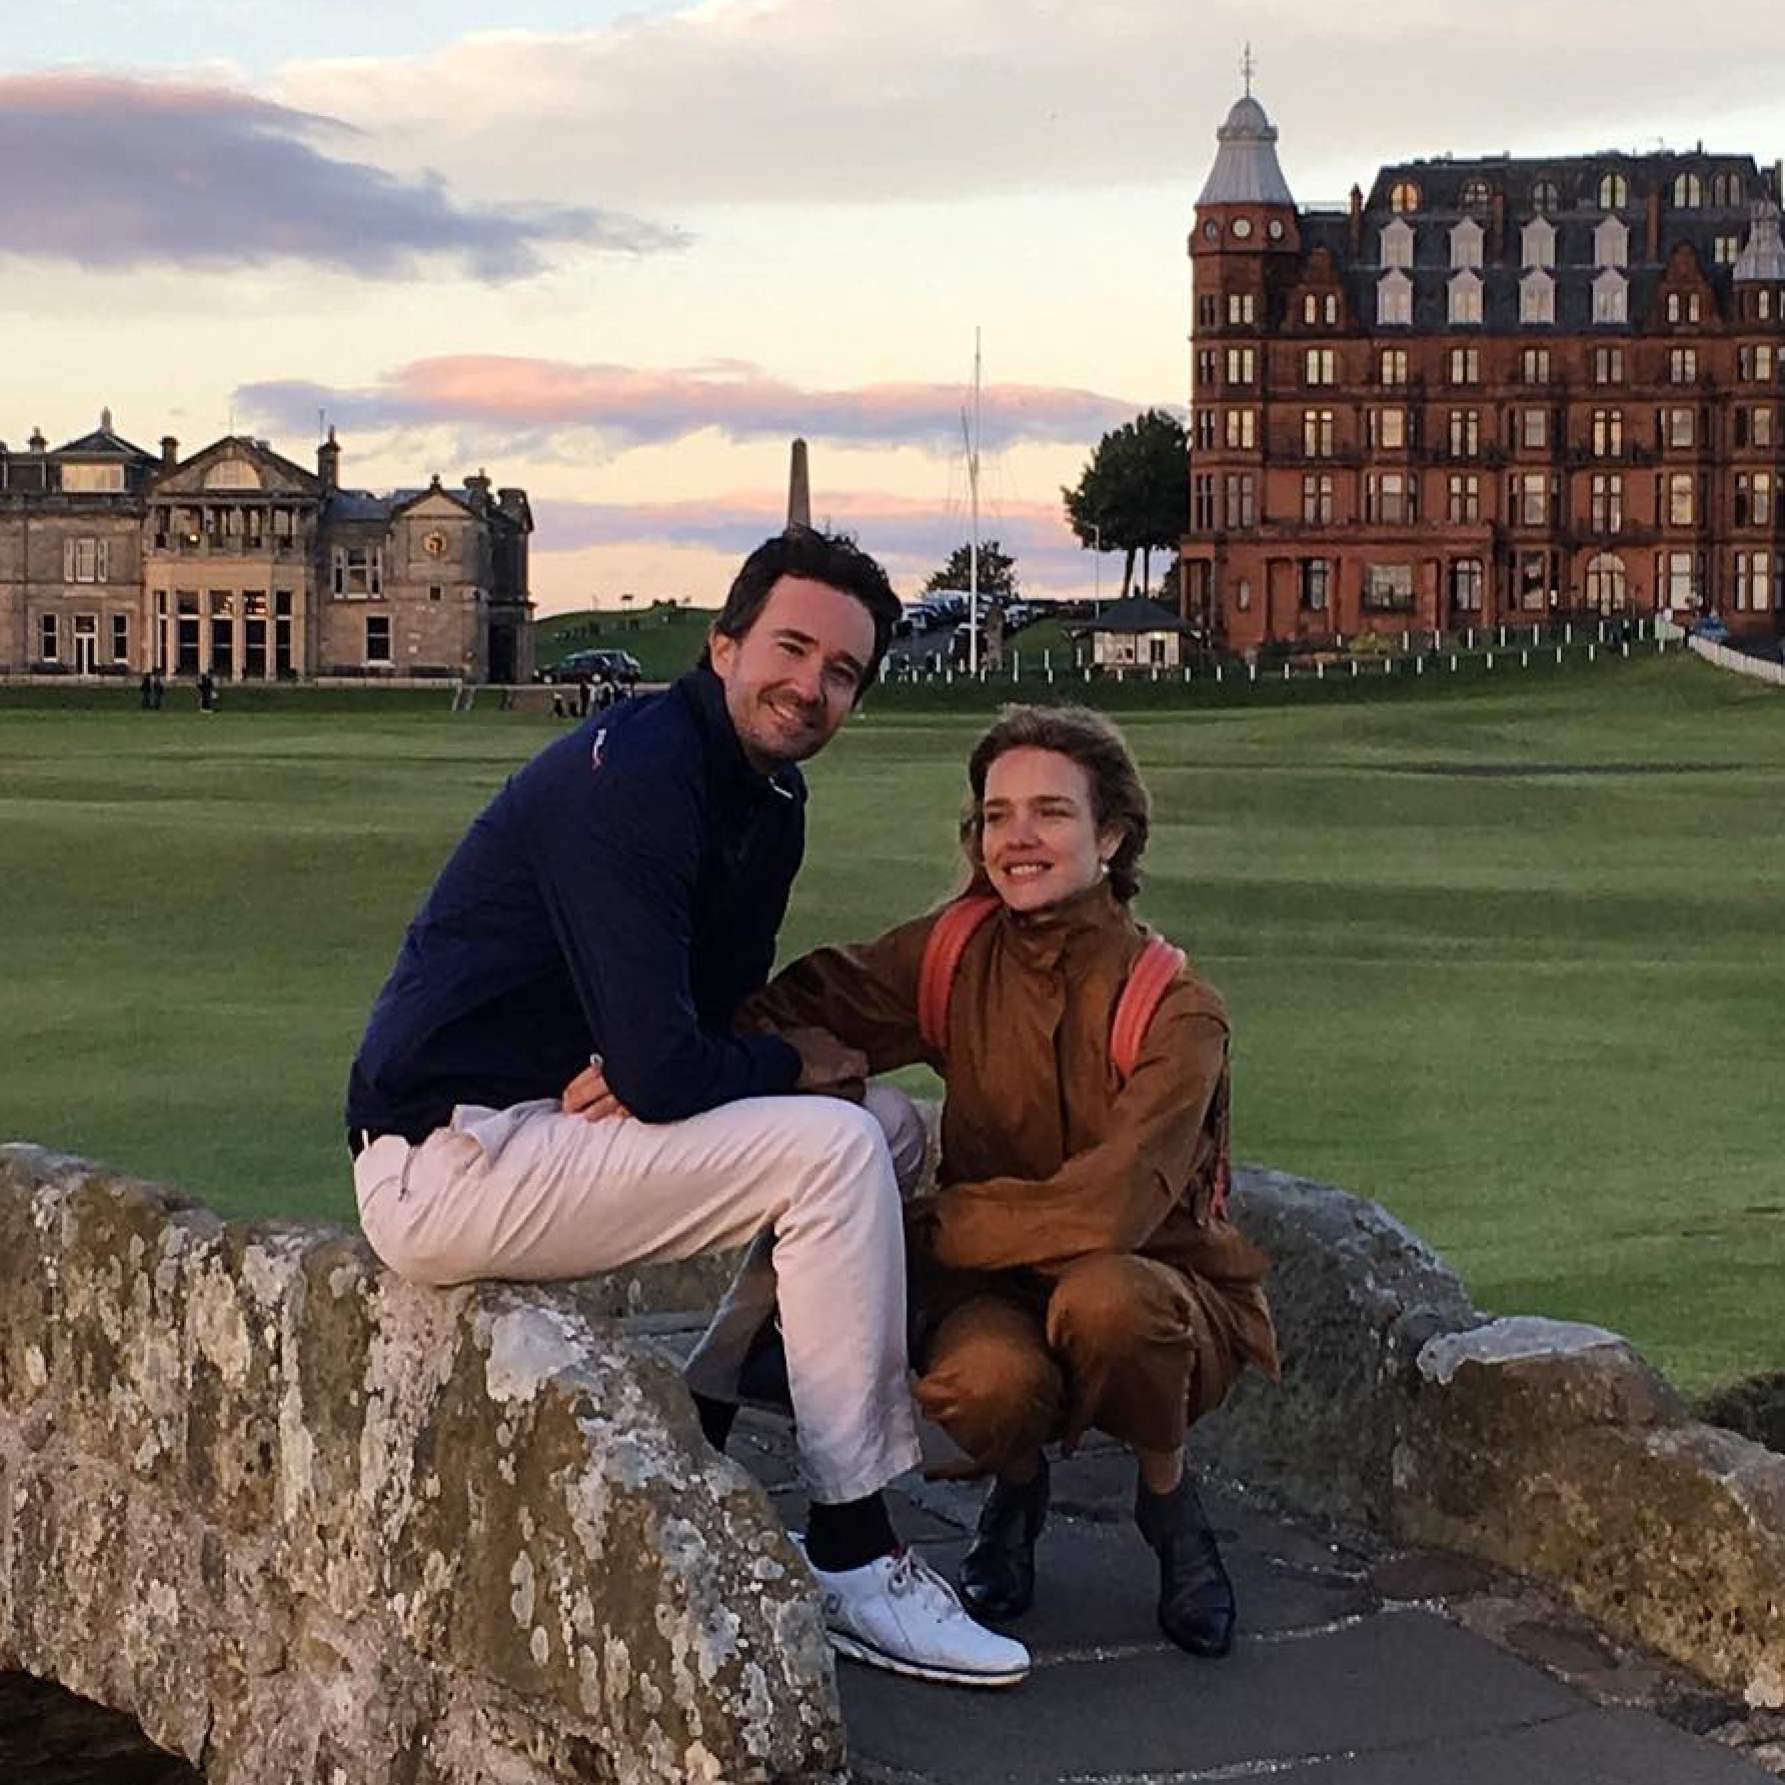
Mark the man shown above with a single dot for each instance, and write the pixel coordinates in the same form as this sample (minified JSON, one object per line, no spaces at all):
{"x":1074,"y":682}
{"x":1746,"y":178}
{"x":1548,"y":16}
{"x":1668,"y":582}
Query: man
{"x":550,"y":1085}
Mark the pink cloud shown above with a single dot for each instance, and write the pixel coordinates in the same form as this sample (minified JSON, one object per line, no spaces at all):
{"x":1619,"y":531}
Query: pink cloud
{"x":516,"y":403}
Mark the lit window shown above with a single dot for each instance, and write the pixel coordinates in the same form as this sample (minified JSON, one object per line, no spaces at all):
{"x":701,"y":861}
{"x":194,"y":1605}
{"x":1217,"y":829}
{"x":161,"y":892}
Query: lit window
{"x":1242,"y":593}
{"x":1463,"y":496}
{"x":1537,"y":298}
{"x":1680,"y":504}
{"x":1310,"y":309}
{"x":1241,"y":365}
{"x":1319,"y":366}
{"x":1726,"y":190}
{"x":1606,"y":583}
{"x":1679,"y":427}
{"x":1396,"y":243}
{"x":1614,"y":192}
{"x":1611,"y":297}
{"x":1534,"y":365}
{"x":1465,"y":433}
{"x":1393,"y":365}
{"x":1317,"y":433}
{"x":1391,"y":428}
{"x":1611,"y":243}
{"x":1608,"y":365}
{"x":1726,"y":250}
{"x":1465,"y":365}
{"x":1608,"y":433}
{"x":1242,"y":425}
{"x":1688,"y":192}
{"x":1394,"y":300}
{"x":1330,"y":307}
{"x":1534,"y":428}
{"x":1465,"y":297}
{"x":1682,"y":365}
{"x":1608,"y":502}
{"x":92,"y":480}
{"x":1465,"y":243}
{"x":1755,"y":364}
{"x":1762,"y":427}
{"x":1239,"y":307}
{"x":1403,"y":197}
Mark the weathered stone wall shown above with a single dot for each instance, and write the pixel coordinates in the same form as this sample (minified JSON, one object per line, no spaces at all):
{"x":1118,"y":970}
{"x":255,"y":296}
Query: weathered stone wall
{"x":1547,"y":1447}
{"x":302,"y":1521}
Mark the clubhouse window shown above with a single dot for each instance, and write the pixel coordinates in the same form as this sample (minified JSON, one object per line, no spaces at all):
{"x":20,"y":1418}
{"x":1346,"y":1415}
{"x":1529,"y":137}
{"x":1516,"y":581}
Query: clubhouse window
{"x":358,"y":572}
{"x":49,"y":639}
{"x":1316,"y":580}
{"x":120,"y":638}
{"x":1388,"y":587}
{"x":1466,"y":585}
{"x":378,"y":639}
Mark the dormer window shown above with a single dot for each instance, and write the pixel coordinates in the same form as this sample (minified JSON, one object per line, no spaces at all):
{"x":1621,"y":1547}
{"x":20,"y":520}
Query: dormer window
{"x":1476,"y":195}
{"x":1538,"y":243}
{"x":1611,"y":243}
{"x":1611,"y":297}
{"x":1465,"y":243}
{"x":1394,"y":300}
{"x":1726,"y":190}
{"x":1397,"y":243}
{"x":1537,"y":297}
{"x":1403,"y":197}
{"x":1688,"y":192}
{"x":92,"y":480}
{"x":1614,"y":192}
{"x":1465,"y":296}
{"x":1545,"y":198}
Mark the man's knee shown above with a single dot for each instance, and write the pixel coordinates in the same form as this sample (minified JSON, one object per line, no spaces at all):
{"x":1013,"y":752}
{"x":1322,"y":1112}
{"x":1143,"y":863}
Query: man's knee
{"x":907,"y":1137}
{"x":1114,"y":1304}
{"x":993,"y":1396}
{"x":837,"y":1149}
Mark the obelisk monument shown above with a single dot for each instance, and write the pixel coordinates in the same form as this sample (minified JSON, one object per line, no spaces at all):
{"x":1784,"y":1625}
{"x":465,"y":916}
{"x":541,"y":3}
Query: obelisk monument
{"x":799,"y":489}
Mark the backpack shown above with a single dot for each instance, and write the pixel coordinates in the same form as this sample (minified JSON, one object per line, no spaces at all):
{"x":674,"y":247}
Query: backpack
{"x":1154,"y":969}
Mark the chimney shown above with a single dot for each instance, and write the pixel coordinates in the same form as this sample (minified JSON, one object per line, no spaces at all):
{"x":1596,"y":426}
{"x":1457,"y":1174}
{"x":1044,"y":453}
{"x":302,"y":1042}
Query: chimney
{"x":170,"y":452}
{"x":1357,"y":221}
{"x":799,"y":488}
{"x":477,"y":491}
{"x":328,"y":461}
{"x":1654,"y":209}
{"x":512,"y":500}
{"x":37,"y":443}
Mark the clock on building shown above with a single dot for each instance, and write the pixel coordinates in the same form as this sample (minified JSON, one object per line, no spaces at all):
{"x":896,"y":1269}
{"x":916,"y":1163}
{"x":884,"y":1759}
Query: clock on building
{"x":434,"y":544}
{"x":1242,"y":227}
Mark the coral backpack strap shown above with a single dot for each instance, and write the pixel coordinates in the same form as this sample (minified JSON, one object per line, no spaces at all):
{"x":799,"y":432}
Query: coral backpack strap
{"x":1155,"y":967}
{"x":942,"y":951}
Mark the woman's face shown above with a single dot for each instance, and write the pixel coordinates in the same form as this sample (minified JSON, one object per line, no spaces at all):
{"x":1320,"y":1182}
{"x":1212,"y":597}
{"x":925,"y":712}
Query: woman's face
{"x":1037,"y":833}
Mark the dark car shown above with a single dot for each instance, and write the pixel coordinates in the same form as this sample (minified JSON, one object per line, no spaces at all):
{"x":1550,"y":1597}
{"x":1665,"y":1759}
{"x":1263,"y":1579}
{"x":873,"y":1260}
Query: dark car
{"x":619,"y":667}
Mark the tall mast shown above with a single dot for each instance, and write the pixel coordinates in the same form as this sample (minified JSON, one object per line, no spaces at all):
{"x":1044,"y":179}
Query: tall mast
{"x":973,"y":545}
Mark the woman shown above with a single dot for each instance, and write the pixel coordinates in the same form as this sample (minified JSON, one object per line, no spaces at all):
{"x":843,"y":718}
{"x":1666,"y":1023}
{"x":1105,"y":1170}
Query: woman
{"x":1074,"y":1267}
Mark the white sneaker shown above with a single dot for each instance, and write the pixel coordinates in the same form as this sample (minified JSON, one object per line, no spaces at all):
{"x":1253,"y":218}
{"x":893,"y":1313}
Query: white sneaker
{"x":897,"y":1612}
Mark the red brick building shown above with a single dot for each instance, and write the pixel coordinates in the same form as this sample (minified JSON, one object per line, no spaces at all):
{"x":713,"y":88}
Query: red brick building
{"x":1490,"y":391}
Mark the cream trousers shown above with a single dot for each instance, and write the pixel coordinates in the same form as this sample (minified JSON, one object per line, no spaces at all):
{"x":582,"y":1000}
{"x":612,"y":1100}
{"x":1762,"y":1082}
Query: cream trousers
{"x":531,"y":1194}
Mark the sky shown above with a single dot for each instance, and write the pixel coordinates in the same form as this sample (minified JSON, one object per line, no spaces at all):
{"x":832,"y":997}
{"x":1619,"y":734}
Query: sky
{"x":618,"y":254}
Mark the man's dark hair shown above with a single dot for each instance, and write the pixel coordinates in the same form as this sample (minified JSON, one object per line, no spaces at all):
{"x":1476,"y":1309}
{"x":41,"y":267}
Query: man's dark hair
{"x":830,"y":558}
{"x":1118,"y":796}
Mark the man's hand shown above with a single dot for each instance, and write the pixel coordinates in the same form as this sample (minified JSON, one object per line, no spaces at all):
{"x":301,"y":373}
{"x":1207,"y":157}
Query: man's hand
{"x":587,"y":1094}
{"x":826,"y":1065}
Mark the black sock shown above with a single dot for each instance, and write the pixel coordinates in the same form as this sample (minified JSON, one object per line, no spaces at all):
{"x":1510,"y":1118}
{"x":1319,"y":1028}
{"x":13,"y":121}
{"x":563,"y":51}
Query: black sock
{"x":716,"y":1418}
{"x":849,"y":1535}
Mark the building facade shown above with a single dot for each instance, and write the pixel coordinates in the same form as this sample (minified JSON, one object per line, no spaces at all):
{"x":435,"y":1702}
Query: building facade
{"x":1491,"y":391}
{"x":242,"y":563}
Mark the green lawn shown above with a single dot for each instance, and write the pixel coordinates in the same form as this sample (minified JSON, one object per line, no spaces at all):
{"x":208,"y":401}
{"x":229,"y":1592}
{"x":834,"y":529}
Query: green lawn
{"x":1504,"y":956}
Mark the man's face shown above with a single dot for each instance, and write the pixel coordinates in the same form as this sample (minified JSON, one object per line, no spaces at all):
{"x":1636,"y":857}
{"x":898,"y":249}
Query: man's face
{"x":792,"y":678}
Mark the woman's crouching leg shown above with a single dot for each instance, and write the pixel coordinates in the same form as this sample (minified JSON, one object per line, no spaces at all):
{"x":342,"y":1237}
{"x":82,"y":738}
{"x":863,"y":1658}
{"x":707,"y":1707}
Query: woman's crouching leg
{"x":991,"y":1384}
{"x":1127,"y":1332}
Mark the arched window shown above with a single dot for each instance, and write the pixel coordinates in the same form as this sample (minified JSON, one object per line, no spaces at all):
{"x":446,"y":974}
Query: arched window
{"x":1545,"y":198}
{"x":1310,"y":308}
{"x":1607,"y":587}
{"x":1614,"y":192}
{"x":1403,"y":196}
{"x":1332,"y":307}
{"x":1726,"y":190}
{"x":1688,"y":192}
{"x":1476,"y":195}
{"x":1673,"y":306}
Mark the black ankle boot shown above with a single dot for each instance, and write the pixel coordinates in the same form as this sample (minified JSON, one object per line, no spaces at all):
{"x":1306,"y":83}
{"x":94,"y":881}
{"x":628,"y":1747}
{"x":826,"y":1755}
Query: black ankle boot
{"x":1196,"y":1608}
{"x":998,"y":1572}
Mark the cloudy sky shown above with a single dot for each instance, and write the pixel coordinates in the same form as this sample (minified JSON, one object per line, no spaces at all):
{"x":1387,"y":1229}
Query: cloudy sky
{"x":619,"y":251}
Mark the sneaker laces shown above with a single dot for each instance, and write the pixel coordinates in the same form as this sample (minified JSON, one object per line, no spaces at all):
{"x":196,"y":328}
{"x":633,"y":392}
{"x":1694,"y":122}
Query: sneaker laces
{"x":912,"y":1575}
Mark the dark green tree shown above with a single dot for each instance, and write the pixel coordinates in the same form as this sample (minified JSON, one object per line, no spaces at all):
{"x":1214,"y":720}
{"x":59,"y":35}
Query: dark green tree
{"x":997,"y":570}
{"x":1134,"y":492}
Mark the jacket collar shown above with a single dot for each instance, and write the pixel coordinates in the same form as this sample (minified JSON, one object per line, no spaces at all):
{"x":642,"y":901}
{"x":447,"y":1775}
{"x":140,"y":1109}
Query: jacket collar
{"x":705,"y":695}
{"x":1043,"y":937}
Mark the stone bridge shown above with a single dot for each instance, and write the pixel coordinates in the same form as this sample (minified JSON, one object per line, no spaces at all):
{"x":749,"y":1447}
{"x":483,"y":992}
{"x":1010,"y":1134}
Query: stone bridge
{"x":301,"y":1522}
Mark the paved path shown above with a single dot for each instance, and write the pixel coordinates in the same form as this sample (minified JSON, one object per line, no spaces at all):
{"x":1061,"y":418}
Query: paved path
{"x":1358,"y":1663}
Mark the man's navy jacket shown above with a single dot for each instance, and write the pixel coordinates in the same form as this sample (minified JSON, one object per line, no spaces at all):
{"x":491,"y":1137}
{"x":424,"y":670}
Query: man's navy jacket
{"x":621,"y":896}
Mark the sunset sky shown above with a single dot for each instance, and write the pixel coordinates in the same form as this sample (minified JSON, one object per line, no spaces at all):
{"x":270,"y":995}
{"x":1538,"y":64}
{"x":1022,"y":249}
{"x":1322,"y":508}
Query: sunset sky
{"x":619,"y":254}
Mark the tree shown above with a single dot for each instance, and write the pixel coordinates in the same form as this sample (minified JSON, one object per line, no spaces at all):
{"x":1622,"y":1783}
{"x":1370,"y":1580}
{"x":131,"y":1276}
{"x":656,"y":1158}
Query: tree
{"x":997,"y":570}
{"x":1134,"y":493}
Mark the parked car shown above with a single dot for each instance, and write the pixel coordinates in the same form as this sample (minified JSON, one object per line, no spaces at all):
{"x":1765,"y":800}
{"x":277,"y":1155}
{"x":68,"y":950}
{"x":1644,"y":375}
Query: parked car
{"x":1710,"y":628}
{"x":619,"y":667}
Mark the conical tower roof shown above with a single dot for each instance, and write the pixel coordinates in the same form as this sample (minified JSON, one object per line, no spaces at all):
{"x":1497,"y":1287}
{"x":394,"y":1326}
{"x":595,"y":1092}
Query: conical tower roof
{"x":1764,"y":255}
{"x":1246,"y":170}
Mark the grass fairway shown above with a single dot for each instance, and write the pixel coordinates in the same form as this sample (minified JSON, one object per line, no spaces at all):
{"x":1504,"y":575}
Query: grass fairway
{"x":1505,"y":957}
